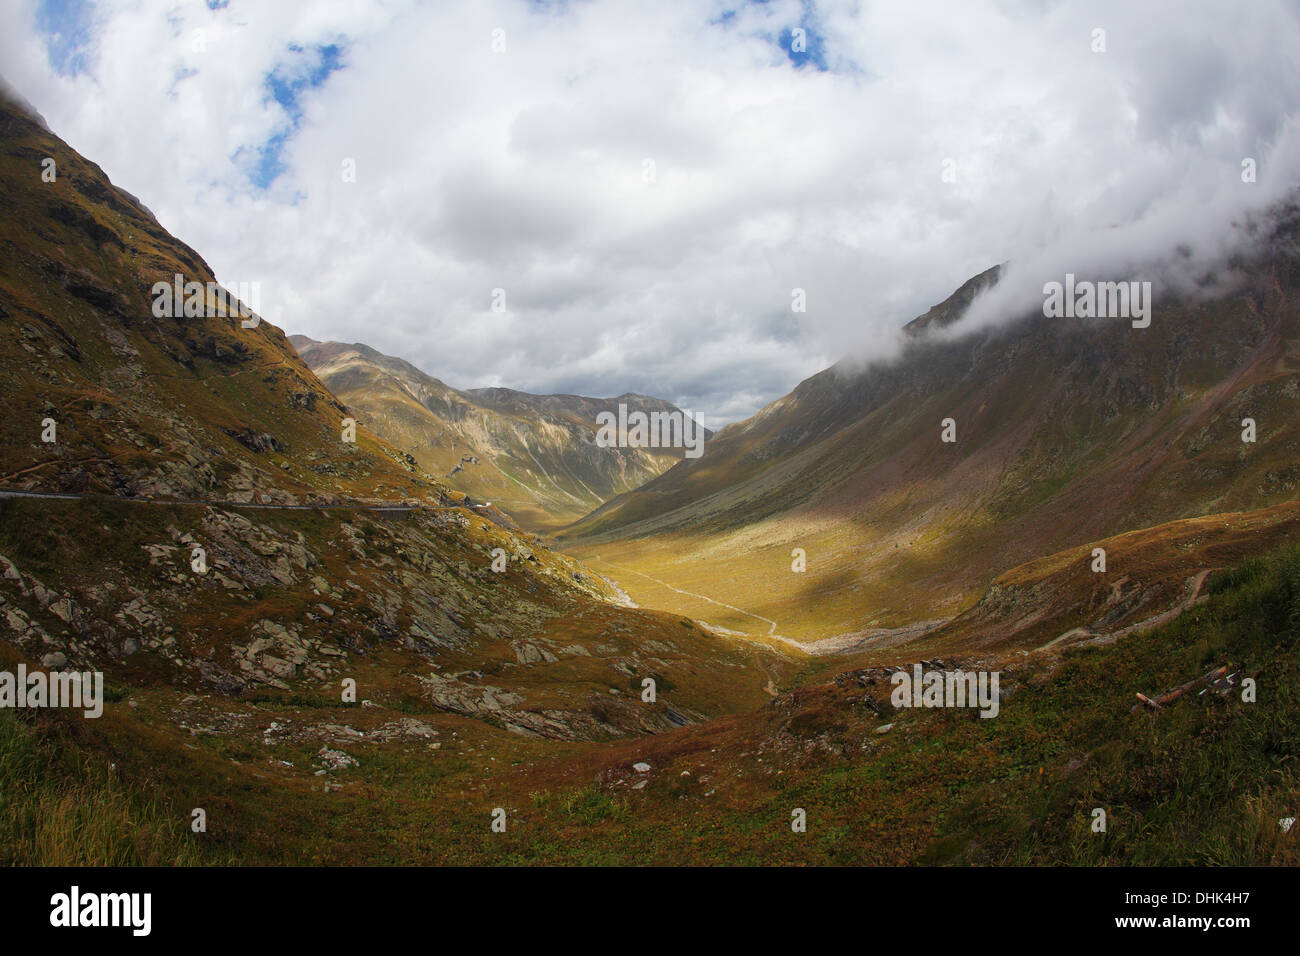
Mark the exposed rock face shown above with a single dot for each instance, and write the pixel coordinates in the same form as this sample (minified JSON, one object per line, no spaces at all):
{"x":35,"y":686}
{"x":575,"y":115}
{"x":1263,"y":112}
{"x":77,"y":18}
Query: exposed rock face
{"x":117,"y":615}
{"x":211,"y":555}
{"x":255,"y":441}
{"x":237,"y":602}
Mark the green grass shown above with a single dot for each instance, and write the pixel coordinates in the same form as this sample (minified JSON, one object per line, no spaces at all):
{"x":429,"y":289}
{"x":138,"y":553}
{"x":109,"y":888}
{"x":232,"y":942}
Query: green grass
{"x":61,"y":809}
{"x":1204,"y":781}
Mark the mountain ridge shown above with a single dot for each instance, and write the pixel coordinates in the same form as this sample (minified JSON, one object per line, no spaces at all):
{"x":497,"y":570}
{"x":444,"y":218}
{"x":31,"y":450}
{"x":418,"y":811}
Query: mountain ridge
{"x":1067,"y":431}
{"x":533,"y":455}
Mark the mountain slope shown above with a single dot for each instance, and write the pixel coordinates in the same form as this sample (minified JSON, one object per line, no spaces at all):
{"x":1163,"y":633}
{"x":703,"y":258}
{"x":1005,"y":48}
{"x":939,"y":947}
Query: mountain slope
{"x":228,"y":633}
{"x":1067,"y":431}
{"x":196,"y":407}
{"x":533,"y":455}
{"x":216,"y":547}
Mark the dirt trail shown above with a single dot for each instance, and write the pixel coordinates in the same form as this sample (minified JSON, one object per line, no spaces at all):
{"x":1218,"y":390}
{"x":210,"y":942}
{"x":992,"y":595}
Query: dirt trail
{"x":870,"y":638}
{"x":771,"y":630}
{"x":838,"y":644}
{"x":52,"y":461}
{"x":1088,"y":635}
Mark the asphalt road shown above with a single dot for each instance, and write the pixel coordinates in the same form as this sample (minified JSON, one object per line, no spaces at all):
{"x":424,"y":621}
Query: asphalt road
{"x":394,"y":508}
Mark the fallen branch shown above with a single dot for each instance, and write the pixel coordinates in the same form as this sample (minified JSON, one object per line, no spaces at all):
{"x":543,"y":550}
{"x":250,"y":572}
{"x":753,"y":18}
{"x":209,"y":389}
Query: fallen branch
{"x":1170,"y":696}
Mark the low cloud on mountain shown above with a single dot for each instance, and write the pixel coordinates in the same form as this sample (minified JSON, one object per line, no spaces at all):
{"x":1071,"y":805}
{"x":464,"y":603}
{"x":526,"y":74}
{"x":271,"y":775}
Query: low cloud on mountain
{"x":773,"y":168}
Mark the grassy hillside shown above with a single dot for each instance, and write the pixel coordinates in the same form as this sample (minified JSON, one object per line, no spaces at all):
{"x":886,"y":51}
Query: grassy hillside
{"x":1067,"y":431}
{"x":1205,"y":780}
{"x":196,"y":407}
{"x":206,"y":616}
{"x":332,"y":684}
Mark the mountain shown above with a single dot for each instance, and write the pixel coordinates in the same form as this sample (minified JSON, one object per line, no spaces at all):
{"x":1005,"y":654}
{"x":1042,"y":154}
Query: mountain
{"x":338,"y":659}
{"x":1067,"y":431}
{"x":533,"y":455}
{"x":199,"y":529}
{"x":185,"y":407}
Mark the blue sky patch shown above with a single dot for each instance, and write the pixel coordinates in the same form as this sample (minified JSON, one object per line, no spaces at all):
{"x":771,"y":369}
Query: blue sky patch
{"x":804,"y":52}
{"x":813,"y":43}
{"x":813,"y":54}
{"x":305,"y":70}
{"x":66,"y":26}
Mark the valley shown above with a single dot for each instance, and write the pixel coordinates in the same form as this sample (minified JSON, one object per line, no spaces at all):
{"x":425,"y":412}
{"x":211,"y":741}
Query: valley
{"x":537,"y":455}
{"x":1068,"y":432}
{"x":476,"y":635}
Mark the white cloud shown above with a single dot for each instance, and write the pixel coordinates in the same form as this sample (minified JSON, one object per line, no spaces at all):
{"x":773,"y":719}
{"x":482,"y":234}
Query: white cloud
{"x":524,"y":169}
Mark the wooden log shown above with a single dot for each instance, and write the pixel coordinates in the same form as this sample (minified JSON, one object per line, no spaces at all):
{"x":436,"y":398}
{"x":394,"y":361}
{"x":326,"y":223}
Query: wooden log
{"x":1143,"y":699}
{"x":1180,"y":691}
{"x":1171,"y":695}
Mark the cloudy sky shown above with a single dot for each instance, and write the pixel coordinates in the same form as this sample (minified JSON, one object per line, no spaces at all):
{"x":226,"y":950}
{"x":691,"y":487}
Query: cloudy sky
{"x":649,"y":182}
